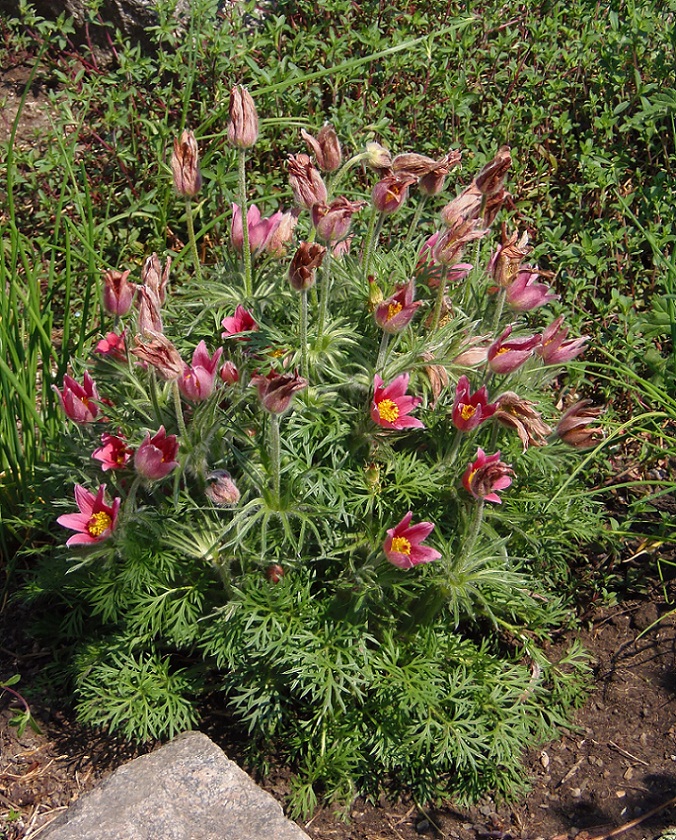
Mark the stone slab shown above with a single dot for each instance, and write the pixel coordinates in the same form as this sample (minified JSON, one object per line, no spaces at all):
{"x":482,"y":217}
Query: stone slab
{"x":186,"y":790}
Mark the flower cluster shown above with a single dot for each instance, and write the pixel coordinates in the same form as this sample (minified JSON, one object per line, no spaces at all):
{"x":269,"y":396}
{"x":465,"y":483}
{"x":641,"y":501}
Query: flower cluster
{"x":215,"y":406}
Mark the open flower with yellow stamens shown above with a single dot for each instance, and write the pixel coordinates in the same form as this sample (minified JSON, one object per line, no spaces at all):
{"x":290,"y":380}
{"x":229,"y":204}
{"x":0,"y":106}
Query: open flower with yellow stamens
{"x":470,"y":409}
{"x":396,"y":313}
{"x":486,"y":476}
{"x":403,"y":544}
{"x":391,"y":406}
{"x":95,"y":521}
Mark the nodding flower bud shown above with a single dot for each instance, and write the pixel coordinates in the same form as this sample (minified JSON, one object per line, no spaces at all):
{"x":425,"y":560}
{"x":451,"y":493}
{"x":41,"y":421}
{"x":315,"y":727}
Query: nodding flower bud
{"x":304,"y":265}
{"x":431,"y":174}
{"x":378,"y":157}
{"x":185,"y":165}
{"x":243,"y":125}
{"x":491,"y":179}
{"x":325,"y":147}
{"x":391,"y":192}
{"x":221,"y":489}
{"x":276,"y":390}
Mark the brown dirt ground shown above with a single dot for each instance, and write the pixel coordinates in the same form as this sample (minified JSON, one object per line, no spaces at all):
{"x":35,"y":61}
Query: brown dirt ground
{"x":614,"y":767}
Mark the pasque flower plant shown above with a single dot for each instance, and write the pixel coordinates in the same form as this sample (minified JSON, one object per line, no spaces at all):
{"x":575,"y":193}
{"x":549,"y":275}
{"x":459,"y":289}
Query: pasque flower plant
{"x":302,"y":454}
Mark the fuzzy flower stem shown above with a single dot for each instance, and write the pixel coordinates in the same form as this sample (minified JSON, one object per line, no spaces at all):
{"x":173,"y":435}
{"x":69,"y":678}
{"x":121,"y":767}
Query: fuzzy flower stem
{"x":371,"y":239}
{"x":468,"y":279}
{"x":248,"y":281}
{"x":130,"y":501}
{"x":453,"y":454}
{"x":416,"y":219}
{"x":179,"y":409}
{"x":443,"y":280}
{"x":303,"y":334}
{"x":275,"y":455}
{"x":499,"y":306}
{"x":324,"y":291}
{"x":384,"y":341}
{"x":340,"y":174}
{"x":191,"y":236}
{"x":474,"y":530}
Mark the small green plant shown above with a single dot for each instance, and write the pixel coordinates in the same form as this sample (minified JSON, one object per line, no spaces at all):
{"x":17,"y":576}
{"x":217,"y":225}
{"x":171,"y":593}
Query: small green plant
{"x":23,"y":716}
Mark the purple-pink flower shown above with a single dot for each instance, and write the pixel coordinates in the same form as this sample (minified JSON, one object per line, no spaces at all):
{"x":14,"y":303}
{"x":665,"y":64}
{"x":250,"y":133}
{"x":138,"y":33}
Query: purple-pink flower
{"x":113,"y":453}
{"x":396,"y":313}
{"x":156,"y":456}
{"x":260,"y":229}
{"x":196,"y":383}
{"x":470,"y":409}
{"x":118,"y":292}
{"x":391,"y":406}
{"x":525,"y":293}
{"x":95,"y":521}
{"x":241,"y":322}
{"x":79,"y":401}
{"x":555,"y":348}
{"x":403,"y":547}
{"x":113,"y":346}
{"x":506,"y":356}
{"x":486,"y":476}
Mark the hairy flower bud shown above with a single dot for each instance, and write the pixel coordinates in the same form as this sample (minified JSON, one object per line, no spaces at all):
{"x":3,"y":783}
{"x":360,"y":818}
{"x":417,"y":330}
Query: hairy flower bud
{"x":378,"y":158}
{"x":155,"y":278}
{"x":243,"y":125}
{"x":306,"y":182}
{"x":325,"y":147}
{"x":118,"y":292}
{"x":332,"y":221}
{"x":304,"y":265}
{"x":221,"y":489}
{"x":185,"y":165}
{"x":391,"y":192}
{"x":276,"y":390}
{"x":160,"y":353}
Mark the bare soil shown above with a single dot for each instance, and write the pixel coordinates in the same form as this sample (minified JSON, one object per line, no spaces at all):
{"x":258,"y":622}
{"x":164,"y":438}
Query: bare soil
{"x":611,"y":770}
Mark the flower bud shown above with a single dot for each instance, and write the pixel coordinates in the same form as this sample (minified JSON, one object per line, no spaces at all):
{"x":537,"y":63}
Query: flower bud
{"x":161,"y":354}
{"x":221,"y":489}
{"x":155,"y":278}
{"x":274,"y":573}
{"x":306,"y":182}
{"x":118,"y":292}
{"x":304,"y":265}
{"x":492,"y":177}
{"x":229,"y":373}
{"x":243,"y":125}
{"x":391,"y":192}
{"x":156,"y":456}
{"x":378,"y":157}
{"x":185,"y":165}
{"x":326,"y":148}
{"x":573,"y":427}
{"x":333,"y":221}
{"x":276,"y":390}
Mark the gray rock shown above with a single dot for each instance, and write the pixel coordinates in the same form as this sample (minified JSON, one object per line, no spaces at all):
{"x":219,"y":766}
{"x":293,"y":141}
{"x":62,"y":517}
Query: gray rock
{"x":186,"y":790}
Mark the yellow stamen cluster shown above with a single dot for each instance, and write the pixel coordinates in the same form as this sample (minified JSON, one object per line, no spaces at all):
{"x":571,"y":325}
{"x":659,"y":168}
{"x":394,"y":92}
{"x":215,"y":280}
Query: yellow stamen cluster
{"x":401,"y":545}
{"x":393,"y":309}
{"x":99,"y":523}
{"x":388,"y":410}
{"x":467,"y":411}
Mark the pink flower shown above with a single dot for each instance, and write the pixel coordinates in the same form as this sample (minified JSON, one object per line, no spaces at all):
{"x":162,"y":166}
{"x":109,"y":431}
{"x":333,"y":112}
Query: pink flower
{"x":391,"y":406}
{"x":113,"y":346}
{"x":118,"y":292}
{"x":431,"y":270}
{"x":486,"y":475}
{"x":470,"y":410}
{"x":260,"y":229}
{"x":229,"y":373}
{"x":79,"y":401}
{"x":333,"y":221}
{"x":403,"y":544}
{"x":396,"y":313}
{"x":525,"y":293}
{"x":196,"y":383}
{"x":391,"y":192}
{"x":156,"y":456}
{"x":573,"y":427}
{"x":506,"y":356}
{"x":555,"y":349}
{"x":95,"y":521}
{"x":242,"y":321}
{"x":113,"y":453}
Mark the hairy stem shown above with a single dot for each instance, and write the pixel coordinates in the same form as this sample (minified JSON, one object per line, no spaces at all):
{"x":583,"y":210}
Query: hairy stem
{"x":384,"y":341}
{"x":275,"y":455}
{"x":416,"y":219}
{"x":248,"y":280}
{"x":191,"y":237}
{"x":474,"y":530}
{"x":436,"y":315}
{"x":303,"y":333}
{"x":324,"y":291}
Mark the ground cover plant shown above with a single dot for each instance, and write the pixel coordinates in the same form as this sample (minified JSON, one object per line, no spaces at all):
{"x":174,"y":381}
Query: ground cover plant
{"x":310,"y":443}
